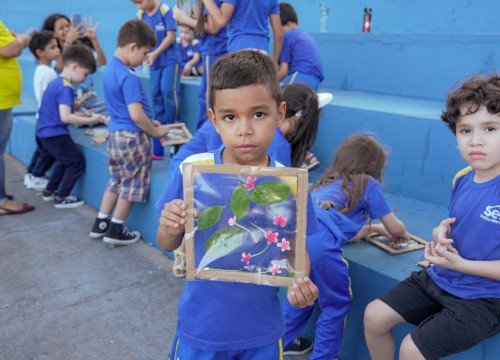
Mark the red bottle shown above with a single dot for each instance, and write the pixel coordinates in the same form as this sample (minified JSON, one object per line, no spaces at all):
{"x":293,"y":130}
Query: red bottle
{"x":367,"y":20}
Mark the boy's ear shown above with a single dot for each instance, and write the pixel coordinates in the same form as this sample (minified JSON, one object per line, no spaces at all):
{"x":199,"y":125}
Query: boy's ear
{"x":39,"y":52}
{"x":281,"y":114}
{"x":213,"y":119}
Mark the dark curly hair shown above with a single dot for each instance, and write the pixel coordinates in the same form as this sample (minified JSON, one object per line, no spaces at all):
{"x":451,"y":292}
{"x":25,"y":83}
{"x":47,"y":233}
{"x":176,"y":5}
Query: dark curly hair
{"x":474,"y":92}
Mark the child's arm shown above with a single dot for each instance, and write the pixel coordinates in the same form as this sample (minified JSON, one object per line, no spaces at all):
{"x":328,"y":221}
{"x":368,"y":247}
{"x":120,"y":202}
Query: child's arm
{"x":449,"y":258}
{"x":181,"y":17}
{"x":15,"y":48}
{"x":282,"y":70}
{"x":172,"y":224}
{"x":137,"y":114}
{"x":394,"y":226}
{"x":189,"y":65}
{"x":164,"y":45}
{"x":68,"y":117}
{"x":371,"y":228}
{"x":91,"y":33}
{"x":220,"y":16}
{"x":303,"y":293}
{"x":275,"y":21}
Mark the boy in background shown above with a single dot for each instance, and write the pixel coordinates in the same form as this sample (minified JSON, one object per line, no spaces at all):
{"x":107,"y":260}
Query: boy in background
{"x":56,"y":112}
{"x":189,"y":49}
{"x":43,"y":46}
{"x":129,"y":147}
{"x":300,"y":60}
{"x":226,"y":320}
{"x":455,"y":304}
{"x":164,"y":60}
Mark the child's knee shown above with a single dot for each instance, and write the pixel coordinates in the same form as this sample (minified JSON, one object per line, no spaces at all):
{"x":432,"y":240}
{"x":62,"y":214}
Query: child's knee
{"x":408,"y":350}
{"x":376,"y":318}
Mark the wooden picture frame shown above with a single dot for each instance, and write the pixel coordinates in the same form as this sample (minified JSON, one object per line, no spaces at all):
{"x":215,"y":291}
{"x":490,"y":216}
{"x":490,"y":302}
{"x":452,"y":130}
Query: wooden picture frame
{"x":236,"y":205}
{"x":382,"y":242}
{"x":178,"y":134}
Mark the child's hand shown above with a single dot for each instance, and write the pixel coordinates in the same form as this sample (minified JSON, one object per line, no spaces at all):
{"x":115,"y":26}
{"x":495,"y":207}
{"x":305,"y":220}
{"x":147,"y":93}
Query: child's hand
{"x":97,"y":119}
{"x":91,"y":30}
{"x":173,"y":217}
{"x":441,"y":232}
{"x":161,"y":130}
{"x":151,"y":58}
{"x":179,"y":15}
{"x":303,"y":293}
{"x":443,"y":256}
{"x":187,"y":70}
{"x":73,"y":33}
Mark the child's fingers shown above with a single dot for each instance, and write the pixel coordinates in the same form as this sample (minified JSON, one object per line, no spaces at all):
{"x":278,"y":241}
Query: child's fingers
{"x":303,"y":293}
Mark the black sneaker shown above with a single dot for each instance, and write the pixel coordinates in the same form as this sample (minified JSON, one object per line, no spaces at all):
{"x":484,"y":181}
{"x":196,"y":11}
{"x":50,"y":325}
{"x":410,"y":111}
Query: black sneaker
{"x":69,"y":202}
{"x":49,"y":195}
{"x":119,"y":234}
{"x":100,"y":227}
{"x":299,"y":346}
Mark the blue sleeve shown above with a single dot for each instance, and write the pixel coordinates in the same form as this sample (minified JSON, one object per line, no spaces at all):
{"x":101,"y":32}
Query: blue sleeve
{"x":169,"y":21}
{"x":280,"y":149}
{"x":131,"y":88}
{"x":174,"y":190}
{"x":67,"y":96}
{"x":275,"y":8}
{"x":377,"y":203}
{"x":285,"y":50}
{"x":196,"y":47}
{"x":232,"y":2}
{"x":312,"y":224}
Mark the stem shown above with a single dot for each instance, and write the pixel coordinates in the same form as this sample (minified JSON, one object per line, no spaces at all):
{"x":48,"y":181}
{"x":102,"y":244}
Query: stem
{"x":244,"y":228}
{"x":258,"y":227}
{"x":259,"y":253}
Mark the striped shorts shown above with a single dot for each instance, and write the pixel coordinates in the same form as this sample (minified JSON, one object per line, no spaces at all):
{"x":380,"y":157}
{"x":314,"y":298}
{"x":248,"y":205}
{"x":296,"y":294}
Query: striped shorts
{"x":129,"y":164}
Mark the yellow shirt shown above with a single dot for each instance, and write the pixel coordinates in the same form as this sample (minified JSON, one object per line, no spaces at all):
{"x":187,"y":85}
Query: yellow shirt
{"x":10,"y":74}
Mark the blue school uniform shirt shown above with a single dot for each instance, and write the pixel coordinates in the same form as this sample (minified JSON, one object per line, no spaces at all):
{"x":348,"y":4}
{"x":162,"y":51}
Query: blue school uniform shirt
{"x":372,"y":202}
{"x":207,"y":139}
{"x":475,"y":234}
{"x":58,"y":92}
{"x":122,"y":87}
{"x":187,"y":52}
{"x":301,"y":53}
{"x":249,"y":25}
{"x":222,"y":316}
{"x":161,"y":22}
{"x":213,"y":44}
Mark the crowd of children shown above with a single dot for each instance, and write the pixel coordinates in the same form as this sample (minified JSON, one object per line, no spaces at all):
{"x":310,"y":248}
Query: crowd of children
{"x":252,"y":121}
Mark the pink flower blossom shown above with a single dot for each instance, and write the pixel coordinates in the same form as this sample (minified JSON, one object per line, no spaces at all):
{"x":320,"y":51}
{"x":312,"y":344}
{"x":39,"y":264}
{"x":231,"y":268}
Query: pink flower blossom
{"x":245,"y":257}
{"x":284,"y":244}
{"x":280,"y":220}
{"x":275,"y":269}
{"x":271,"y":237}
{"x":232,"y":221}
{"x":250,"y":183}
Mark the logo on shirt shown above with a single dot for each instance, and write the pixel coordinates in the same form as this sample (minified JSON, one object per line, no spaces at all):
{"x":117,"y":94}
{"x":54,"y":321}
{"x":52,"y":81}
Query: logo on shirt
{"x":491,"y":214}
{"x":160,"y":27}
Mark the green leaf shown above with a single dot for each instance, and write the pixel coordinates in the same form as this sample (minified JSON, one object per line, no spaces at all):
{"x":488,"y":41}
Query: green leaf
{"x":209,"y":217}
{"x":224,"y":238}
{"x":270,"y":192}
{"x":240,"y":202}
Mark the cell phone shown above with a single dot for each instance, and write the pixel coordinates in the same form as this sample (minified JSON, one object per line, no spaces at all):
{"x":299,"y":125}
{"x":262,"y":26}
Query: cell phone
{"x":185,"y":6}
{"x":77,"y":20}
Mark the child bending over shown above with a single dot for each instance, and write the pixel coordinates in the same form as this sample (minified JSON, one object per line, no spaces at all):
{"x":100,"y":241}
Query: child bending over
{"x":455,"y":304}
{"x":247,"y":323}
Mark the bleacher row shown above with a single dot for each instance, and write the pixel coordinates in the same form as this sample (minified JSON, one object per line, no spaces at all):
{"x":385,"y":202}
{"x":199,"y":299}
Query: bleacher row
{"x":393,"y":85}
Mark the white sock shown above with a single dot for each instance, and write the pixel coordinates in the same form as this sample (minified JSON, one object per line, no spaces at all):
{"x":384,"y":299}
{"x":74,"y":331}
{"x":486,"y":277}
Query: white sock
{"x":100,"y":215}
{"x":117,"y":221}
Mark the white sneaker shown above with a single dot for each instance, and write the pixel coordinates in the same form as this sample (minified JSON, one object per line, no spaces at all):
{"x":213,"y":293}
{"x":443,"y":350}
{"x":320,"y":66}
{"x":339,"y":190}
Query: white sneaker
{"x":27,"y":179}
{"x":37,"y":183}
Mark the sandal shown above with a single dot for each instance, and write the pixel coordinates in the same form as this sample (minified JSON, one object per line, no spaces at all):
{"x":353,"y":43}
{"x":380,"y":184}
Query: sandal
{"x":6,"y":211}
{"x":179,"y":268}
{"x":311,"y":162}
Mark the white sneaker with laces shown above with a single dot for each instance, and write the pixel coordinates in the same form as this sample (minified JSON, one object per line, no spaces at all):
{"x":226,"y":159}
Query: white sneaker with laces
{"x":37,"y":183}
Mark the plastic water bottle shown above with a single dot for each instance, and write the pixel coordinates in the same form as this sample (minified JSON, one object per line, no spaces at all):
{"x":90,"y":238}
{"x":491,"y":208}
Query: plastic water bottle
{"x":324,"y":13}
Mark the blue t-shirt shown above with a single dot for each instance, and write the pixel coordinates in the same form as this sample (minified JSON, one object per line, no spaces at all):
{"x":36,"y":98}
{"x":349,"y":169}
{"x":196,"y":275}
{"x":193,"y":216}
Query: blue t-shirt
{"x":213,"y":44}
{"x":221,"y":316}
{"x":161,"y":22}
{"x":249,"y":25}
{"x":187,"y":52}
{"x":207,"y":139}
{"x":475,"y":234}
{"x":301,"y":53}
{"x":58,"y":92}
{"x":372,"y":202}
{"x":122,"y":87}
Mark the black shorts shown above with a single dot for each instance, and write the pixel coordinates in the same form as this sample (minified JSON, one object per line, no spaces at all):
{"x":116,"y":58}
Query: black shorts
{"x":445,"y":323}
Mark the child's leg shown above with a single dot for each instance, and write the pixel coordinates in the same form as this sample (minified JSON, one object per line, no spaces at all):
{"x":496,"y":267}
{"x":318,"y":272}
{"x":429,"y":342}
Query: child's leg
{"x":203,"y":94}
{"x":43,"y":161}
{"x":298,"y":77}
{"x":295,"y":321}
{"x":171,"y":90}
{"x":156,"y":95}
{"x":122,"y":209}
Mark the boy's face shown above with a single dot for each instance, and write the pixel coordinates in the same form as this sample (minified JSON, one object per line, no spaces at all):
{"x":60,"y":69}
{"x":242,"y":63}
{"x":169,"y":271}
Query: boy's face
{"x":144,"y":5}
{"x":186,"y":34}
{"x":77,"y":73}
{"x":478,"y":138}
{"x":51,"y":51}
{"x":246,"y":119}
{"x":137,"y":54}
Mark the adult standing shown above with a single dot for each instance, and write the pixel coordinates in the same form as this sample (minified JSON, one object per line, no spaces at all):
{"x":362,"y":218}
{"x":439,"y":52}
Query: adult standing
{"x":11,"y":46}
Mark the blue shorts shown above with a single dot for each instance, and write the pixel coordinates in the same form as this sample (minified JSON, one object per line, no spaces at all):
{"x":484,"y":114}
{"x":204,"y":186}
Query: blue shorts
{"x":183,"y":351}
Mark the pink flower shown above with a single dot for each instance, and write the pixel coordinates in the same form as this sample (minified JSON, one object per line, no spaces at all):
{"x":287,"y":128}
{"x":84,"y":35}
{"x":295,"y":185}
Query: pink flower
{"x":275,"y":269}
{"x":245,"y":257}
{"x":284,"y":244}
{"x":232,"y":221}
{"x":271,"y":237}
{"x":250,"y":183}
{"x":280,"y":220}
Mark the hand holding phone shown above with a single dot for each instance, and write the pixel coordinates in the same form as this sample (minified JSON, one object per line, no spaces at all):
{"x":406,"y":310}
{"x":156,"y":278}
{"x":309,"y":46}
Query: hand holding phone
{"x":77,"y":23}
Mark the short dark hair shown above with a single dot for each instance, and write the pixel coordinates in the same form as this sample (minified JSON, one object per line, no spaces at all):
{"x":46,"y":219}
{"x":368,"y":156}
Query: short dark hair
{"x":81,"y":55}
{"x":40,"y":40}
{"x":474,"y":92}
{"x":244,"y":68}
{"x":136,"y":31}
{"x":288,"y":14}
